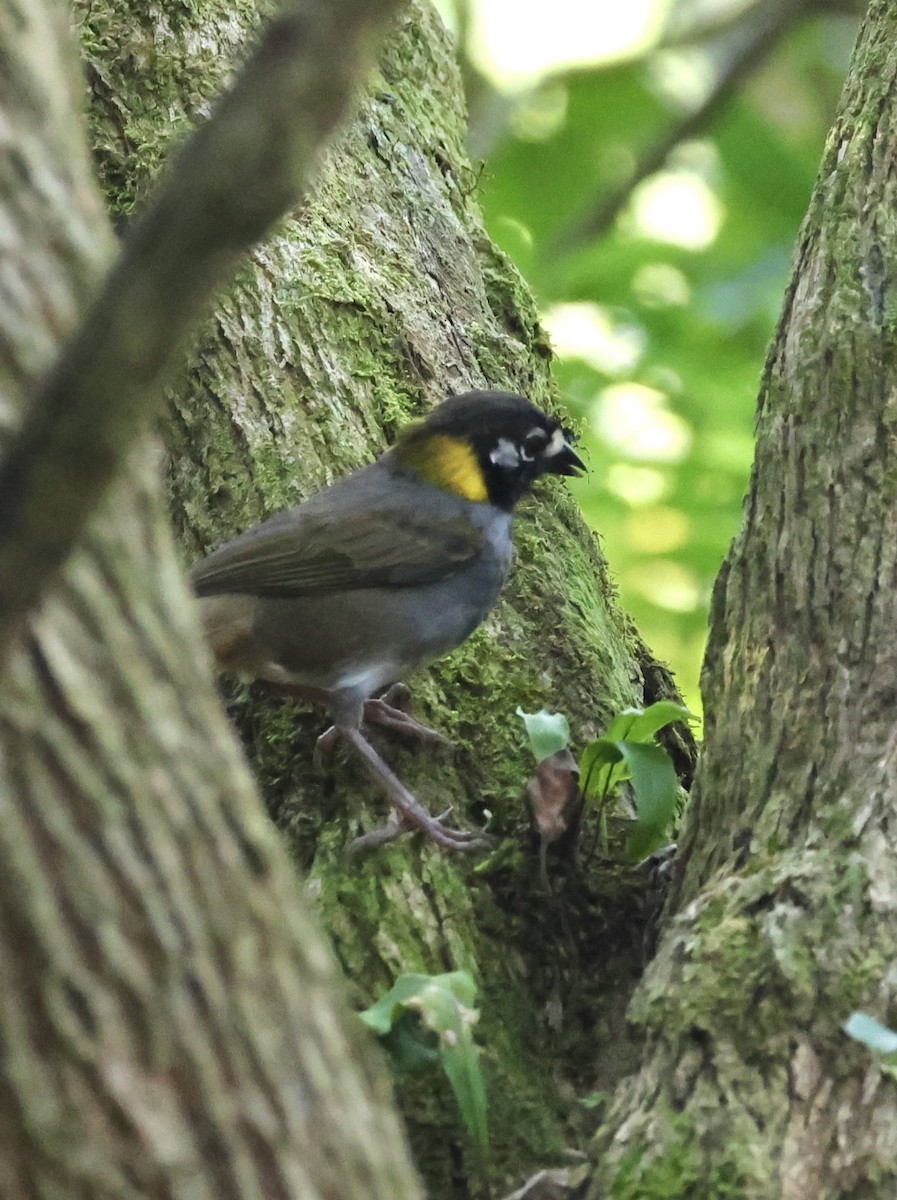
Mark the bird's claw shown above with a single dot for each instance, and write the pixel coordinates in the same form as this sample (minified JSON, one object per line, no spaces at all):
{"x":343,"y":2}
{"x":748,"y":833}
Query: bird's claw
{"x":391,"y":711}
{"x":398,"y":695}
{"x":324,"y":747}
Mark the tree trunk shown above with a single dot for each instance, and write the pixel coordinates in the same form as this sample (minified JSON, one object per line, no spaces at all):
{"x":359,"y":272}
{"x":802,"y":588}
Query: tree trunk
{"x":783,"y":919}
{"x":171,"y":1022}
{"x":381,"y":296}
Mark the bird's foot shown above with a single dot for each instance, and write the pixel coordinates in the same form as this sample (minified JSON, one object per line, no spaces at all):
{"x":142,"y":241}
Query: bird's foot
{"x":434,"y":827}
{"x":389,"y":711}
{"x":392,"y":711}
{"x":412,"y":815}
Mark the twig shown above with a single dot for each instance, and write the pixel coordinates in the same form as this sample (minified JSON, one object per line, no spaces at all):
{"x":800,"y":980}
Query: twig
{"x":246,"y":166}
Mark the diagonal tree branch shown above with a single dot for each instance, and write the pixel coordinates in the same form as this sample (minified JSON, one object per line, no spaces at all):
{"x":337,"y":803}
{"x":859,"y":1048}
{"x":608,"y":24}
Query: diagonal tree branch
{"x":769,"y":25}
{"x":242,"y":170}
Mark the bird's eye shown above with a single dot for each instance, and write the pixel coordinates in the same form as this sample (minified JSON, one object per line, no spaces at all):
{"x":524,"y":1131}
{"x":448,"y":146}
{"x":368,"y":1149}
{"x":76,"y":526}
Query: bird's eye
{"x":571,"y":437}
{"x":534,"y":443}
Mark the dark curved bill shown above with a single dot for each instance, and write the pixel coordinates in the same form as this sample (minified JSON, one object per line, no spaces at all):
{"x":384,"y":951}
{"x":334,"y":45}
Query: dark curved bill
{"x":564,"y":461}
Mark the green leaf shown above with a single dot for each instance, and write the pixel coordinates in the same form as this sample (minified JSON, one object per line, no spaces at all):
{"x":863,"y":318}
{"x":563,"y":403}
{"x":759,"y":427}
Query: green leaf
{"x":641,"y":724}
{"x":460,"y":1061}
{"x":424,"y":1014}
{"x":655,"y":787}
{"x":411,"y":1046}
{"x":547,"y":732}
{"x":863,"y":1028}
{"x":603,"y":764}
{"x":383,"y":1015}
{"x":601,"y":768}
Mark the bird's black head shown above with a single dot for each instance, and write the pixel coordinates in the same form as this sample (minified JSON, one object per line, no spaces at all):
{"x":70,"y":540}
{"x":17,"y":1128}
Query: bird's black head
{"x":488,"y":446}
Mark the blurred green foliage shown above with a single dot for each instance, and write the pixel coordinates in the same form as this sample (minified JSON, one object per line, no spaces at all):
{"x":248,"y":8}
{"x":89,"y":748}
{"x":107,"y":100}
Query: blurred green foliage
{"x":653,"y":205}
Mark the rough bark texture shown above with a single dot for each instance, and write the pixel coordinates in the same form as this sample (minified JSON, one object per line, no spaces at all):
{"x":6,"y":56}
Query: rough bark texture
{"x":236,"y":176}
{"x":171,"y":1021}
{"x":785,"y":908}
{"x":376,"y":300}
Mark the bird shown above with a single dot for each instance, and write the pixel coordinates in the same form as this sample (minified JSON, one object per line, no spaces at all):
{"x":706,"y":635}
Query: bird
{"x":383,"y":572}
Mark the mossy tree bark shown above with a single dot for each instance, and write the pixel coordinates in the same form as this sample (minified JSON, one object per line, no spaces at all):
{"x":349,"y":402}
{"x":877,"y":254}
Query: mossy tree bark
{"x":171,"y":1021}
{"x":784,"y":913}
{"x":378,"y":298}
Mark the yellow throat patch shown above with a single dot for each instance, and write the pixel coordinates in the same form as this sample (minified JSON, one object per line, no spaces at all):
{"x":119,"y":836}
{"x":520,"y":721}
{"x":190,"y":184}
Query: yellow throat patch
{"x":447,"y":462}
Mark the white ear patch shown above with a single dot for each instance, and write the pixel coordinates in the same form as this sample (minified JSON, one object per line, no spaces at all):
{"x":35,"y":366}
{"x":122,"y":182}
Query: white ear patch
{"x":505,"y":454}
{"x":557,"y":444}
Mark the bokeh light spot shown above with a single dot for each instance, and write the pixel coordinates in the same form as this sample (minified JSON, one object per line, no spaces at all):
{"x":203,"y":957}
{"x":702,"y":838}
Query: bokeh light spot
{"x":678,"y":207}
{"x":668,"y":584}
{"x":657,"y":530}
{"x":635,"y":421}
{"x":657,"y":284}
{"x":636,"y":485}
{"x":589,"y":332}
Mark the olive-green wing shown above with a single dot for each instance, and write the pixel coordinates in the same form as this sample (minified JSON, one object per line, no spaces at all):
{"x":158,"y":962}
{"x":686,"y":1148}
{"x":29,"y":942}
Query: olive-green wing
{"x":301,"y":553}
